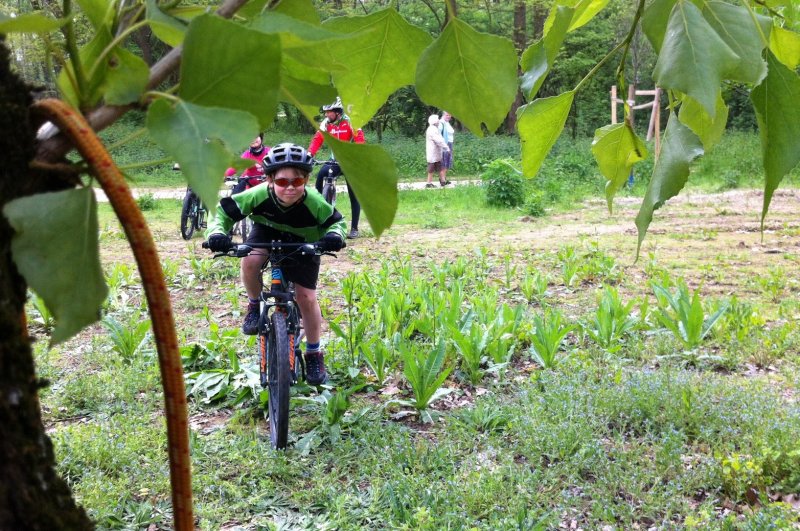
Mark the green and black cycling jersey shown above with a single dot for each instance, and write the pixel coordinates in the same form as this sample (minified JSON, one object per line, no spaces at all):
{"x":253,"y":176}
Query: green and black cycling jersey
{"x":307,"y":220}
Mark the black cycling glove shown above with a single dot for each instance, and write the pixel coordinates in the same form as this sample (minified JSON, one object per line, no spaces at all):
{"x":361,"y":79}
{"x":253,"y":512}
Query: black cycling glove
{"x":332,"y":242}
{"x":219,"y":243}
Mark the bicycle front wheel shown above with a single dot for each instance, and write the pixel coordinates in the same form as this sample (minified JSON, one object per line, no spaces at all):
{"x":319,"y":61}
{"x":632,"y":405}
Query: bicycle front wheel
{"x":189,"y":215}
{"x":245,"y":228}
{"x":279,"y":380}
{"x":329,"y":193}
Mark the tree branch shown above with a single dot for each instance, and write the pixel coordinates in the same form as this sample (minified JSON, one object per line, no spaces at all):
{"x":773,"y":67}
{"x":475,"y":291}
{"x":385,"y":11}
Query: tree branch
{"x":55,"y":147}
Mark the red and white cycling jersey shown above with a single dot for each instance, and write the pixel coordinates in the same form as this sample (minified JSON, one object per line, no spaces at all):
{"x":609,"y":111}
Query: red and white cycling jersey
{"x":340,"y":130}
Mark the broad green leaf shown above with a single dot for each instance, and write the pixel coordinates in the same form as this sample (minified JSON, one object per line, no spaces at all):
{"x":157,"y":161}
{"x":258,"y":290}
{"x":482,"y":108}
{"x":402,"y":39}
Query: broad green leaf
{"x":785,"y":44}
{"x":584,"y":11}
{"x":373,"y":175}
{"x":300,"y":9}
{"x":471,"y":74}
{"x":693,"y":58}
{"x":221,"y":72}
{"x":539,"y":124}
{"x":52,"y":230}
{"x":99,"y":12}
{"x":168,"y":29}
{"x":89,"y":55}
{"x":305,"y":87}
{"x":775,"y":101}
{"x":734,"y":24}
{"x":378,"y":63}
{"x":695,"y":117}
{"x":202,"y":140}
{"x":616,"y":149}
{"x":308,"y":97}
{"x":126,"y":78}
{"x":679,"y":148}
{"x":655,"y":19}
{"x":538,"y":58}
{"x":36,"y":22}
{"x":295,"y":33}
{"x":253,"y":8}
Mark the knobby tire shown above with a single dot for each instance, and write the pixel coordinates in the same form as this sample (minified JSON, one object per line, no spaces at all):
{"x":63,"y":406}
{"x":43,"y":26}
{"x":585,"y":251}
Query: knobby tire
{"x":329,"y":193}
{"x":245,"y":228}
{"x":279,"y":376}
{"x":188,"y":216}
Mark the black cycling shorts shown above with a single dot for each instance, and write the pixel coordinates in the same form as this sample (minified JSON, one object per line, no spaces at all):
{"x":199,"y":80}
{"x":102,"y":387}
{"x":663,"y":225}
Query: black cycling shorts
{"x":303,"y":270}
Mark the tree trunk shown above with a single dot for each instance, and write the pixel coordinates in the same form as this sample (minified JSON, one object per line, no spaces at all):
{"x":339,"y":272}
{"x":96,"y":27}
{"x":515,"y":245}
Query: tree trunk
{"x":32,"y":495}
{"x":520,"y":42}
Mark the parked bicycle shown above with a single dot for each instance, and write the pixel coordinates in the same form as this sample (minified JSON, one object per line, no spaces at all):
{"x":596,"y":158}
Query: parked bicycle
{"x":280,"y":331}
{"x":329,"y":180}
{"x":193,"y":214}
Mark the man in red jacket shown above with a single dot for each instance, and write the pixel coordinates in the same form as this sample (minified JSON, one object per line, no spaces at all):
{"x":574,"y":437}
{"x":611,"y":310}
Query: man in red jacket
{"x":337,"y":124}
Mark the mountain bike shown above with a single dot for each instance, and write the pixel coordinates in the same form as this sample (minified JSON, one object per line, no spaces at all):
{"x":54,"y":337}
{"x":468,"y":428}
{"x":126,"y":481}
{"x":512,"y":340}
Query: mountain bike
{"x":329,"y":181}
{"x":193,"y":214}
{"x":280,"y":331}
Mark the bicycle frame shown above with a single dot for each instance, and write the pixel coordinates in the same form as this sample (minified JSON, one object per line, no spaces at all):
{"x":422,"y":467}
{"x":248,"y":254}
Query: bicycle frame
{"x":279,"y":297}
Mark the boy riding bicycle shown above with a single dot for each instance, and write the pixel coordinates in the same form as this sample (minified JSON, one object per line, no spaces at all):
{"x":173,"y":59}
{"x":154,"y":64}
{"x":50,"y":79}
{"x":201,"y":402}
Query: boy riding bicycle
{"x":284,"y":209}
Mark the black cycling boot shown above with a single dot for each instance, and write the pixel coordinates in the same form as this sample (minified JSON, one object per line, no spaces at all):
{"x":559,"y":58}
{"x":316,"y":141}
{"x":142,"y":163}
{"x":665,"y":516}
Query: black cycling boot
{"x":250,"y":325}
{"x":315,"y":368}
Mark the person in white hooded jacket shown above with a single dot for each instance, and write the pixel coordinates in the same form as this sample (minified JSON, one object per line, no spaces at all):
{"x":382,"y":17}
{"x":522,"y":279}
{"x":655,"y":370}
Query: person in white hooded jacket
{"x":434,"y":147}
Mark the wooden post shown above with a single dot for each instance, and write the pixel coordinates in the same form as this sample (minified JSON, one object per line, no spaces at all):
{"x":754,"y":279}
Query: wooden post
{"x":653,"y":113}
{"x":613,"y":104}
{"x":657,"y":126}
{"x":631,"y":102}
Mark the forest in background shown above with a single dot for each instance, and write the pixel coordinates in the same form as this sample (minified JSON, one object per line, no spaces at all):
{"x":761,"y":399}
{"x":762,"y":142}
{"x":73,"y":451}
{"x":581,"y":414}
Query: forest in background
{"x":404,"y":113}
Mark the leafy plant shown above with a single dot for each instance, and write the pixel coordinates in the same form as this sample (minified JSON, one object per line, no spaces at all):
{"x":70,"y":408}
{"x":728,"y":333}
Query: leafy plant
{"x":549,"y":333}
{"x":425,"y":374}
{"x":570,"y":265}
{"x":128,"y":338}
{"x":535,"y":204}
{"x":611,"y":321}
{"x":504,"y":184}
{"x":534,"y":286}
{"x":146,"y":201}
{"x":333,"y":418}
{"x":485,"y":418}
{"x":470,"y":339}
{"x":43,"y":316}
{"x":683,"y":314}
{"x":379,"y":355}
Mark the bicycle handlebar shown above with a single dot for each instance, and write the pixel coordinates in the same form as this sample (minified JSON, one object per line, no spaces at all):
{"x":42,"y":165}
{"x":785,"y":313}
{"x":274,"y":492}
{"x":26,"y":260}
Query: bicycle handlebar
{"x":242,"y":250}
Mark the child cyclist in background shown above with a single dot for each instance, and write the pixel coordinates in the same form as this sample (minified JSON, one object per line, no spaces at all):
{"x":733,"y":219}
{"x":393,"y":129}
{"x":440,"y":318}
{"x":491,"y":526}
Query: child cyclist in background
{"x":284,"y":209}
{"x":254,"y":175}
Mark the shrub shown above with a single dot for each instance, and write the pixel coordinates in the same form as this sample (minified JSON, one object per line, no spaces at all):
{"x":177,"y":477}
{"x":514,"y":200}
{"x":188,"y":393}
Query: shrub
{"x":146,"y":202}
{"x":504,"y":184}
{"x":534,"y":206}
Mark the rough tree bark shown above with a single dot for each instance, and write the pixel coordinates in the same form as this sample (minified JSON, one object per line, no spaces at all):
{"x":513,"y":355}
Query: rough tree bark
{"x":32,"y":495}
{"x":520,"y":43}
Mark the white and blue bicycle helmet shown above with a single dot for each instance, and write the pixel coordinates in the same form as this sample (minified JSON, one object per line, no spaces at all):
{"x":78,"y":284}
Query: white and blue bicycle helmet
{"x":287,"y":155}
